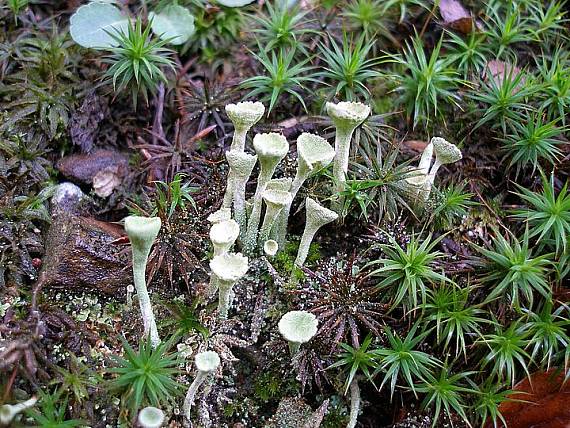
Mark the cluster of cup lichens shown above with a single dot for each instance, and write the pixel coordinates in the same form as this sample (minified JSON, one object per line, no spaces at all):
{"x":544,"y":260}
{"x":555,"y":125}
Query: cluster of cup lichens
{"x":239,"y":221}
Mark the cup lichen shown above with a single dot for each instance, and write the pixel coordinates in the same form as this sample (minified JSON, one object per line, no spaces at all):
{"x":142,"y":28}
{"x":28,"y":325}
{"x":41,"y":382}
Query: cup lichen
{"x":206,"y":362}
{"x":142,"y":231}
{"x":243,"y":116}
{"x":228,"y":268}
{"x":297,"y":327}
{"x":346,"y":116}
{"x":151,"y":417}
{"x":271,"y":148}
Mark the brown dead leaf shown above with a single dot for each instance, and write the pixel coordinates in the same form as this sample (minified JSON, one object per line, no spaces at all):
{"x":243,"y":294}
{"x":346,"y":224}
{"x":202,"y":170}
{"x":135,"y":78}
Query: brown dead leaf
{"x":543,"y":402}
{"x":415,"y":145}
{"x":456,"y":16}
{"x":498,"y":70}
{"x":107,"y":180}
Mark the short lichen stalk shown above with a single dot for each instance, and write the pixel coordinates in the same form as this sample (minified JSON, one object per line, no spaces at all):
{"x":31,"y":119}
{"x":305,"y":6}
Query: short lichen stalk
{"x":354,"y":403}
{"x":223,"y":236}
{"x":142,"y":232}
{"x":313,"y":154}
{"x":9,"y":411}
{"x":316,"y":217}
{"x":346,"y":116}
{"x":418,"y":185}
{"x":271,"y":149}
{"x":228,"y":268}
{"x":206,"y":363}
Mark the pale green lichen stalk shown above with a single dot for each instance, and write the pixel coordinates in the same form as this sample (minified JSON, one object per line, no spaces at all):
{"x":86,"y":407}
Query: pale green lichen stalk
{"x":419,"y":183}
{"x":297,"y":327}
{"x":228,"y":268}
{"x":151,"y":417}
{"x":9,"y":411}
{"x":445,"y":153}
{"x":206,"y":363}
{"x":223,"y":235}
{"x":354,"y":403}
{"x":142,"y":232}
{"x":241,"y":165}
{"x":316,"y":217}
{"x":271,"y":149}
{"x":243,"y":116}
{"x":313,"y":154}
{"x":275,"y":201}
{"x":346,"y":116}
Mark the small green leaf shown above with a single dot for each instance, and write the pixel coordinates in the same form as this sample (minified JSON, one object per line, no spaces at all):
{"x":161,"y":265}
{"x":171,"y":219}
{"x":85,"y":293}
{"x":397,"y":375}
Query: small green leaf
{"x":234,"y":3}
{"x":173,"y":23}
{"x":91,"y":25}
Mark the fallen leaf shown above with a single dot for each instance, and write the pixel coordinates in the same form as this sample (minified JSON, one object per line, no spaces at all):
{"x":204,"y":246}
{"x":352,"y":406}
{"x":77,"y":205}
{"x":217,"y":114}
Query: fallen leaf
{"x":416,"y":145}
{"x":542,"y":402}
{"x":106,"y":180}
{"x":456,"y":16}
{"x":498,"y":70}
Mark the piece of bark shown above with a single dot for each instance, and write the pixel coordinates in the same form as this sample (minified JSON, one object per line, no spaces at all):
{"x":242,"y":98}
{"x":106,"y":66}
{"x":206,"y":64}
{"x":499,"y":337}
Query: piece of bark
{"x":80,"y":255}
{"x":85,"y":121}
{"x":539,"y":402}
{"x":84,"y":167}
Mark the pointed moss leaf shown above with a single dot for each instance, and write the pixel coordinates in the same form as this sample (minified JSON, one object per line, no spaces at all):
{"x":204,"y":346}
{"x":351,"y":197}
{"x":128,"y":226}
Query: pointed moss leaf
{"x":91,"y":24}
{"x":234,"y":3}
{"x":174,"y":22}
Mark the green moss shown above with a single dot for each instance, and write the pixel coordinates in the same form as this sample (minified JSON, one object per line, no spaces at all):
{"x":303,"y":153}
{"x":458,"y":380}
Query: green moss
{"x":284,"y":262}
{"x":271,"y":386}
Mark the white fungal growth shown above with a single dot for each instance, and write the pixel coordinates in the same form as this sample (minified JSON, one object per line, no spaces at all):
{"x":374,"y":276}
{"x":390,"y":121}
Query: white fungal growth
{"x":151,"y":417}
{"x":206,"y":362}
{"x":9,"y":411}
{"x":316,"y":217}
{"x":314,"y":154}
{"x":271,"y":148}
{"x":346,"y":116}
{"x":243,"y":116}
{"x":228,"y":268}
{"x":275,"y":201}
{"x":142,"y":232}
{"x":297,"y":327}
